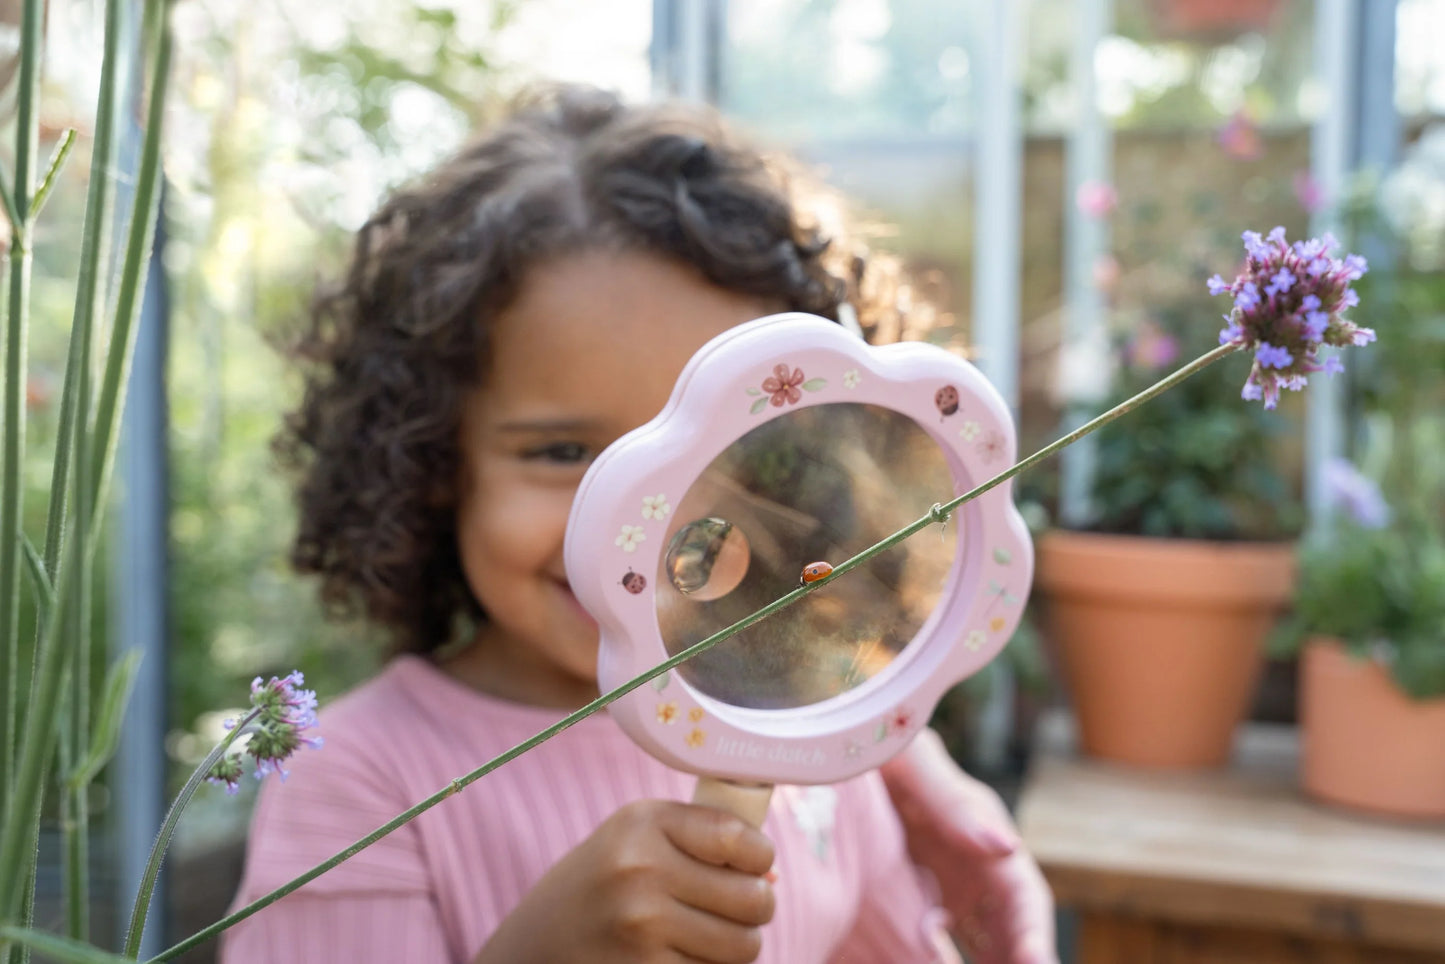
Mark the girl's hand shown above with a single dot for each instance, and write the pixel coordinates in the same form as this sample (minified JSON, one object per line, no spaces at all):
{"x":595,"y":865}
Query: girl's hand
{"x":657,"y":882}
{"x":958,"y":828}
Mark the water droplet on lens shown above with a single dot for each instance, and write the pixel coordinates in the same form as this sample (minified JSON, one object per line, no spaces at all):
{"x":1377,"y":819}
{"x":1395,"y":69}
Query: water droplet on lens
{"x":707,"y":558}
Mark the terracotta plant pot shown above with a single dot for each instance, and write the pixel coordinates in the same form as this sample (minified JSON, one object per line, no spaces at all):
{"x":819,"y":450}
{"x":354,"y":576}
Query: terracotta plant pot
{"x":1365,"y":743}
{"x":1160,"y":641}
{"x":1210,"y":19}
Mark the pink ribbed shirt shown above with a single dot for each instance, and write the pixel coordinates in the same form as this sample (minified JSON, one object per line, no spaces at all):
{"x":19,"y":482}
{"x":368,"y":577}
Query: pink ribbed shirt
{"x":435,"y":889}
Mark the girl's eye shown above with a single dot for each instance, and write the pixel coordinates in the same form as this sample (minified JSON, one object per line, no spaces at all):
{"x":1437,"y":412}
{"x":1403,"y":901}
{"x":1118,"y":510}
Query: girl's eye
{"x":559,"y":453}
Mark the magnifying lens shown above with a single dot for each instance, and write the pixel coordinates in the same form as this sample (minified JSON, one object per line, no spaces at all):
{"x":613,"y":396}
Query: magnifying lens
{"x":789,"y":442}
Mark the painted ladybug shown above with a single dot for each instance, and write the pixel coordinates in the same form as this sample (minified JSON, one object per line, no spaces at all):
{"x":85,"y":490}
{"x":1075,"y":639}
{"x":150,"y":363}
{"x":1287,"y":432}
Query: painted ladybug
{"x":946,"y":398}
{"x":634,"y":582}
{"x":814,"y":571}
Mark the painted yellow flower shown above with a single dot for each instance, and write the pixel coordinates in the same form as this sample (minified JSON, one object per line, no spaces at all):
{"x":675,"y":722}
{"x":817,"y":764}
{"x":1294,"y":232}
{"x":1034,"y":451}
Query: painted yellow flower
{"x":666,"y":712}
{"x":696,"y":737}
{"x":695,"y":714}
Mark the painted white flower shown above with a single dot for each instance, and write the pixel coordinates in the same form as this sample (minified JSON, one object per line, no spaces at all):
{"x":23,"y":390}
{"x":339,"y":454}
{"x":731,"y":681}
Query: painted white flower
{"x":969,"y":431}
{"x":975,"y":640}
{"x":850,"y":378}
{"x":630,"y":537}
{"x":655,"y":506}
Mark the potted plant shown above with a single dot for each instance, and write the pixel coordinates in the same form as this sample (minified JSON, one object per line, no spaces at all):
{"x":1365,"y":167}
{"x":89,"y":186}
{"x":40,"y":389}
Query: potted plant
{"x":1370,"y":622}
{"x":1159,"y":605}
{"x":1369,"y":611}
{"x":1211,"y":19}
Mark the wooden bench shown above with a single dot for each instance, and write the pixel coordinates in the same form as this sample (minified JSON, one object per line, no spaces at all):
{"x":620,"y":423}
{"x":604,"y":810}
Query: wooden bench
{"x":1232,"y":866}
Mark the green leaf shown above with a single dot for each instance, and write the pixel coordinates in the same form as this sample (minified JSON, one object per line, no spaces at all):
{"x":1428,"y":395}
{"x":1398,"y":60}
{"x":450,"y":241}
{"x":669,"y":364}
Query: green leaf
{"x":57,"y":161}
{"x":758,"y":406}
{"x":754,"y":391}
{"x":60,"y":948}
{"x":35,"y":566}
{"x":106,"y":735}
{"x":813,"y":384}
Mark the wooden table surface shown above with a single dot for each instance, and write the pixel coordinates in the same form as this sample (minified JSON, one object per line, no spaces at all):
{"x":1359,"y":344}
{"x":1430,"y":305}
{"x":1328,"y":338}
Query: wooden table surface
{"x":1238,"y":857}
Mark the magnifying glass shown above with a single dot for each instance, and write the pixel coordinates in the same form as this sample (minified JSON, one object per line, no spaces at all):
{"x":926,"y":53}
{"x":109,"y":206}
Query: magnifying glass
{"x":789,"y":442}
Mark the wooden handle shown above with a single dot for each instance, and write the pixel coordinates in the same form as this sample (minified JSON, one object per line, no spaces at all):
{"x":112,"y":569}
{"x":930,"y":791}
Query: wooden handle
{"x":746,"y":800}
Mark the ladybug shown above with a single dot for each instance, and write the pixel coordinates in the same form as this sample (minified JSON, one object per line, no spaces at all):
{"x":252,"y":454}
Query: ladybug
{"x":634,"y":582}
{"x":946,"y":398}
{"x":814,"y":571}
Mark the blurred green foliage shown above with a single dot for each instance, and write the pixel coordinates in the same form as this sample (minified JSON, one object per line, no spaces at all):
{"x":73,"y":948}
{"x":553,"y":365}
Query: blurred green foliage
{"x":290,"y":134}
{"x":1197,"y":462}
{"x":1382,"y":591}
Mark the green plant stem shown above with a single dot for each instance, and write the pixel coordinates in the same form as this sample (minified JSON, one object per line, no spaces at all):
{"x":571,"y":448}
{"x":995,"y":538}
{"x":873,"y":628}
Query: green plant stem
{"x":141,"y":908}
{"x":72,"y":843}
{"x":37,"y":741}
{"x":22,"y":817}
{"x":937,"y":515}
{"x":58,"y":948}
{"x":89,"y":299}
{"x":12,"y":214}
{"x":12,"y":483}
{"x":139,"y":239}
{"x":74,"y":396}
{"x":21,"y":869}
{"x":1128,"y":405}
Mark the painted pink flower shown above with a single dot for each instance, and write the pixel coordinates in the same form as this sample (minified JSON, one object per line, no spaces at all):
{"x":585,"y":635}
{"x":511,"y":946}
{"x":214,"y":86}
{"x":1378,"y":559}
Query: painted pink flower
{"x":992,"y":446}
{"x":900,"y":719}
{"x":783,"y":384}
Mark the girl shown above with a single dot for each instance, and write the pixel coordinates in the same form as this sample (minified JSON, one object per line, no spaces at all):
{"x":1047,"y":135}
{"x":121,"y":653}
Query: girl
{"x":501,"y":323}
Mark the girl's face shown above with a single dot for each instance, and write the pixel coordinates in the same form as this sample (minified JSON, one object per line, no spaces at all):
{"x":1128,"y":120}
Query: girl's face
{"x":588,"y":351}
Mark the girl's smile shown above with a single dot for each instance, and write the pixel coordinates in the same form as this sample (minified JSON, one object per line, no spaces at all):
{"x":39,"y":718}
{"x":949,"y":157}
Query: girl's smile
{"x":589,"y":350}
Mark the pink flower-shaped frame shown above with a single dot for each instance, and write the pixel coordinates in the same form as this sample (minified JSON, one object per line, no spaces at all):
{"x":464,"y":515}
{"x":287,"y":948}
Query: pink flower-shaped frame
{"x":619,"y":521}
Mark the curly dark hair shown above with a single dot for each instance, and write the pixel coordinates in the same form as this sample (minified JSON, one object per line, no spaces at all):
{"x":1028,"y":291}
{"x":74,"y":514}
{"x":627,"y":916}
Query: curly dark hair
{"x":393,"y":348}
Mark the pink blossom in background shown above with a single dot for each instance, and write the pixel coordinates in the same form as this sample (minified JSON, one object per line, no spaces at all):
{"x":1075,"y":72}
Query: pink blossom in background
{"x":1308,"y":192}
{"x":1106,"y":272}
{"x":37,"y":392}
{"x":1152,"y":348}
{"x":1239,"y":137}
{"x":1096,"y":199}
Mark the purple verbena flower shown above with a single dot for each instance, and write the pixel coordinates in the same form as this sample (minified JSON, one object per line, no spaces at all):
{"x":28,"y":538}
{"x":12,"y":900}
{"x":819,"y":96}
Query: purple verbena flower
{"x":1289,"y":302}
{"x":1270,"y":356}
{"x":1280,"y":283}
{"x":226,"y":772}
{"x":1247,"y":296}
{"x":283,"y":712}
{"x":1356,"y":494}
